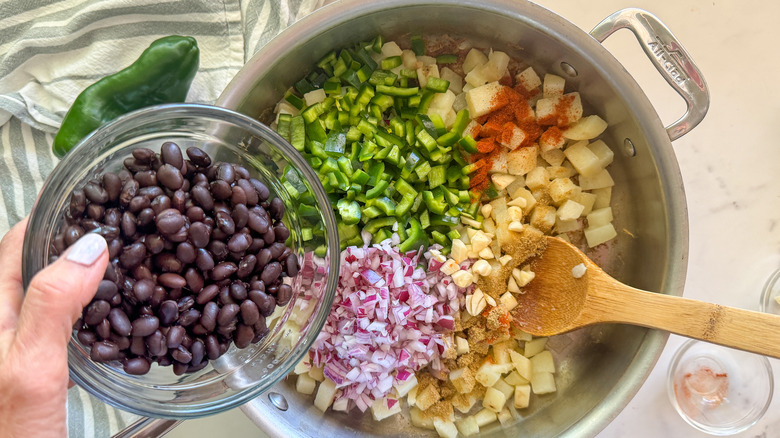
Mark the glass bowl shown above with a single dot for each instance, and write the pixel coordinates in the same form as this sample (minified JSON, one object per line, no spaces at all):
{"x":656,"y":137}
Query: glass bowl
{"x":238,"y":375}
{"x":719,"y":390}
{"x":770,"y":293}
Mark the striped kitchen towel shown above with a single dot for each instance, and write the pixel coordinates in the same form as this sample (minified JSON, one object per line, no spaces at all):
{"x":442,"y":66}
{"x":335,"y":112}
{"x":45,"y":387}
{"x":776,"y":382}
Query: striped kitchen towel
{"x":51,"y":50}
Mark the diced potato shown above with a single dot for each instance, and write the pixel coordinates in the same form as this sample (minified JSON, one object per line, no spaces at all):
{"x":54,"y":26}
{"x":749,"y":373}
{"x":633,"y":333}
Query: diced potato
{"x":505,"y":416}
{"x":511,"y":136}
{"x":445,"y":429}
{"x":489,"y":373}
{"x":537,"y":178}
{"x":303,"y":366}
{"x":563,"y":237}
{"x":463,"y":380}
{"x":313,"y":97}
{"x":543,"y":383}
{"x":475,"y":58}
{"x":514,"y":378}
{"x":499,"y":61}
{"x":441,"y":104}
{"x":522,"y":336}
{"x":530,"y":201}
{"x":485,"y":417}
{"x":502,"y":180}
{"x":426,"y":60}
{"x":411,"y":396}
{"x":598,"y":181}
{"x":570,"y":210}
{"x":585,"y":128}
{"x":543,"y":217}
{"x":462,"y":345}
{"x":553,"y":86}
{"x":522,"y":396}
{"x":567,"y":226}
{"x":419,"y":419}
{"x":500,"y":163}
{"x":555,"y":157}
{"x":583,"y":159}
{"x":403,"y":388}
{"x":409,"y":60}
{"x":481,"y":100}
{"x":501,"y":215}
{"x":534,"y":347}
{"x":504,"y":387}
{"x":560,"y":171}
{"x":597,"y":236}
{"x":467,"y":426}
{"x":551,"y":139}
{"x":600,"y":217}
{"x":603,"y":197}
{"x":587,"y":200}
{"x":458,"y":252}
{"x":380,"y":409}
{"x":494,"y":400}
{"x":305,"y":384}
{"x":561,"y":189}
{"x":522,"y":365}
{"x":390,"y":48}
{"x":340,"y":405}
{"x":285,"y":107}
{"x":455,"y":80}
{"x":509,"y":301}
{"x":463,"y":402}
{"x":573,"y":111}
{"x":522,"y":160}
{"x":472,"y":128}
{"x":501,"y":352}
{"x":543,"y":362}
{"x":325,"y":394}
{"x":317,"y":374}
{"x":427,"y":397}
{"x":602,"y":151}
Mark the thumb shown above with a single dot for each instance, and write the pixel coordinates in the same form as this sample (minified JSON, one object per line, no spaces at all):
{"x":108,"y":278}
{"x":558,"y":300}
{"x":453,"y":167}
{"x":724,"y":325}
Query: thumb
{"x":57,"y":295}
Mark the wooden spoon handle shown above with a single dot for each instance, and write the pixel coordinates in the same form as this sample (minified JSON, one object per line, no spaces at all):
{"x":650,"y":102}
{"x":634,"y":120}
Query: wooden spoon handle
{"x":737,"y":328}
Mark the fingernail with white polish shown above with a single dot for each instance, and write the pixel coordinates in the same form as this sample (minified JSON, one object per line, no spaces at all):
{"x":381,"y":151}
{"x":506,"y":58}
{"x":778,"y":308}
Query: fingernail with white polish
{"x":87,"y":249}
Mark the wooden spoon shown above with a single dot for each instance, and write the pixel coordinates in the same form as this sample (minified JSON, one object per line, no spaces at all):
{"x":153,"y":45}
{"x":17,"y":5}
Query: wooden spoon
{"x":555,"y":302}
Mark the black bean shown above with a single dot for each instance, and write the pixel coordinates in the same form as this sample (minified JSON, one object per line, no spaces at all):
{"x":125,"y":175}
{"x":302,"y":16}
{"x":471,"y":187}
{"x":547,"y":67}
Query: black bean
{"x":281,"y":232}
{"x":185,"y":303}
{"x":168,"y":262}
{"x":151,"y":192}
{"x":269,"y":237}
{"x":227,"y":314}
{"x":169,"y":221}
{"x":138,"y":346}
{"x":95,"y":211}
{"x":224,"y":296}
{"x":143,"y":155}
{"x":291,"y":265}
{"x":171,"y":280}
{"x":154,"y":243}
{"x":249,"y":312}
{"x":156,"y":344}
{"x":276,"y":209}
{"x":240,"y":216}
{"x":185,"y":252}
{"x":262,"y":190}
{"x":132,"y":255}
{"x":86,"y":337}
{"x":244,"y":335}
{"x":72,"y":234}
{"x":227,"y":330}
{"x":106,"y":231}
{"x":221,"y":189}
{"x":104,"y":351}
{"x":139,"y":203}
{"x":225,"y":222}
{"x":198,"y":350}
{"x":249,"y":192}
{"x":137,"y":366}
{"x":208,"y":293}
{"x":238,"y":197}
{"x":106,"y":290}
{"x":143,"y":290}
{"x":78,"y":202}
{"x":103,"y":329}
{"x":195,"y":214}
{"x":276,"y":250}
{"x":95,"y":193}
{"x":179,"y":200}
{"x":198,"y":157}
{"x":145,"y":325}
{"x":239,"y":243}
{"x":260,"y":328}
{"x":134,"y":165}
{"x":122,"y":342}
{"x":161,"y":203}
{"x":202,"y":197}
{"x":96,"y":312}
{"x":237,"y":291}
{"x":199,"y":234}
{"x":171,"y":154}
{"x":204,"y":261}
{"x":128,"y":224}
{"x":112,"y":273}
{"x":145,"y":217}
{"x":129,"y":190}
{"x":120,"y":322}
{"x":175,"y":336}
{"x":223,"y":270}
{"x":265,"y":303}
{"x":189,"y":317}
{"x":170,"y":177}
{"x":284,"y":295}
{"x":146,"y":178}
{"x":181,"y":354}
{"x":212,"y":347}
{"x":258,"y":221}
{"x":246,"y":266}
{"x":168,"y":313}
{"x":225,"y":172}
{"x":257,"y":284}
{"x":271,"y":272}
{"x":194,"y":280}
{"x":272,"y":289}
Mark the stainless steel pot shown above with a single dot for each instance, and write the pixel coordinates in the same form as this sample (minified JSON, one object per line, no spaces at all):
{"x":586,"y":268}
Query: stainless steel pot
{"x":600,"y":368}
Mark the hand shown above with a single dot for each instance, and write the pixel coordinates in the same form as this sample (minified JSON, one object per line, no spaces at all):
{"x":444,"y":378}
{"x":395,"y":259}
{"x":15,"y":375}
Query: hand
{"x":35,"y":330}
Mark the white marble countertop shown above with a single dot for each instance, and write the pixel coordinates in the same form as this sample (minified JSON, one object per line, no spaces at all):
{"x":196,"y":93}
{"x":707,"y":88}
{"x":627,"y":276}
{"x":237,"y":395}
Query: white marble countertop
{"x":730,"y":165}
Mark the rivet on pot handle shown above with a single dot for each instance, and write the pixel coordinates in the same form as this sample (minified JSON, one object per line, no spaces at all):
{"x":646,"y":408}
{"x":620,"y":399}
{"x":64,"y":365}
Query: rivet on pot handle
{"x":669,"y":57}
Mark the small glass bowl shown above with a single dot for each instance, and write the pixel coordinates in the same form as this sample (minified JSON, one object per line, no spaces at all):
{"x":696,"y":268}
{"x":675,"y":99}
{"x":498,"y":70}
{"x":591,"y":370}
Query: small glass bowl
{"x":770,"y":292}
{"x":719,"y":390}
{"x":239,"y":375}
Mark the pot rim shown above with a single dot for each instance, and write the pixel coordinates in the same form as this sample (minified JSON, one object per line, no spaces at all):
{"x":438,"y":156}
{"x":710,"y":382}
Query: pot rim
{"x":602,"y":60}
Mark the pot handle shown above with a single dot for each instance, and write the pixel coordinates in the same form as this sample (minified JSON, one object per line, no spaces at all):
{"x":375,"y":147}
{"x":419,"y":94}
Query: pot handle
{"x":670,"y":59}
